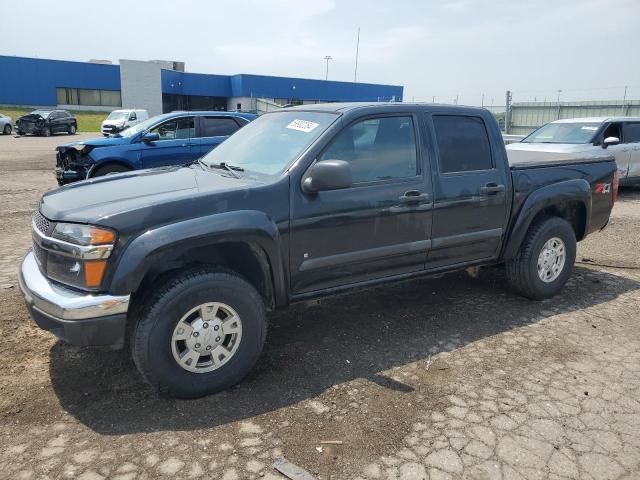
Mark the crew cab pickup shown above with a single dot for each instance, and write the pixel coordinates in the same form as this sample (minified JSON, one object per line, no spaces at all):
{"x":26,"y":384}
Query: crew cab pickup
{"x":184,"y":262}
{"x":173,"y":138}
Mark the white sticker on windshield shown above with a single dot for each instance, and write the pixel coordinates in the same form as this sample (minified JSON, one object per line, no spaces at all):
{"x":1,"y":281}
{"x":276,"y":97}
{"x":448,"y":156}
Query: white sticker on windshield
{"x":303,"y":125}
{"x":587,"y":127}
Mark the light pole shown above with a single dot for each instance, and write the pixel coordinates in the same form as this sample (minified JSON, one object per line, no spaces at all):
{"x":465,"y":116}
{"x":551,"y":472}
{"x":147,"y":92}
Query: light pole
{"x":327,"y":58}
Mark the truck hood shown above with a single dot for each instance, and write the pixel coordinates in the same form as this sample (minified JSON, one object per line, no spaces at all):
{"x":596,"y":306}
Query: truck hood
{"x":552,"y":147}
{"x":99,"y":200}
{"x":97,"y":142}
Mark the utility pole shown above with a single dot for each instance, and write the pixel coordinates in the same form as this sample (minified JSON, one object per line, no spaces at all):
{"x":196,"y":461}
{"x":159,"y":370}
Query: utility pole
{"x":482,"y":101}
{"x":558,"y":112}
{"x":624,"y":100}
{"x":355,"y":72}
{"x":507,"y":112}
{"x":327,"y":58}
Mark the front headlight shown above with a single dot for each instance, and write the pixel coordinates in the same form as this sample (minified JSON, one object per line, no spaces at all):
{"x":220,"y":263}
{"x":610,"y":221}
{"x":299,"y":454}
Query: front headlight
{"x":84,"y":269}
{"x":83,"y":234}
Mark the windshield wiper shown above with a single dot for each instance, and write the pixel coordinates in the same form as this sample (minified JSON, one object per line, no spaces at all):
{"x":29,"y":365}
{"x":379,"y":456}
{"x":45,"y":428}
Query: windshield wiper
{"x":232,"y":169}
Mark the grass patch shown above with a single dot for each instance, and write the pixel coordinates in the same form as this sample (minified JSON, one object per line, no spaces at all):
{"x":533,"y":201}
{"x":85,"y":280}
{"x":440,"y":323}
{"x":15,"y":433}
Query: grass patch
{"x":88,"y":121}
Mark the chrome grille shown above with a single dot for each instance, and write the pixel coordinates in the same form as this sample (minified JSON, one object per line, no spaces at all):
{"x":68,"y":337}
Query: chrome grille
{"x":42,"y":224}
{"x":41,"y":255}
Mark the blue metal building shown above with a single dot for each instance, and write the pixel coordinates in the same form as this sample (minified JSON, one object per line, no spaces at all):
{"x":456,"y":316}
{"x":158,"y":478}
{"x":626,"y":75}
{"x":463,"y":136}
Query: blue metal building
{"x":40,"y":82}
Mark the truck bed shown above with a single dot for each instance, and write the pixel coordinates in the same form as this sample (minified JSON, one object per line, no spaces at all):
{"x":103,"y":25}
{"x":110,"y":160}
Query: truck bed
{"x":519,"y":159}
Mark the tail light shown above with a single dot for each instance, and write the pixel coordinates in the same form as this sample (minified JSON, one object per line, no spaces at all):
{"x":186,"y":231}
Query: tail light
{"x":614,"y":187}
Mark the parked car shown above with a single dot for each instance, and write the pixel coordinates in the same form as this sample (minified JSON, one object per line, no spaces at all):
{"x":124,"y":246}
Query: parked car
{"x":301,"y":203}
{"x":120,"y":120}
{"x":169,"y":139}
{"x":47,"y":122}
{"x":620,"y":136}
{"x":5,"y":124}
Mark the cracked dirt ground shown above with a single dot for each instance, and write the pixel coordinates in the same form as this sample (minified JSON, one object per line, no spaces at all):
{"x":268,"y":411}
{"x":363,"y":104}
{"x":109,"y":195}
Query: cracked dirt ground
{"x":447,"y":378}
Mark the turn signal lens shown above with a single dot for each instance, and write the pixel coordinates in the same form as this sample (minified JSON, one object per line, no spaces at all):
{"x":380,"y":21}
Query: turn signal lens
{"x":93,"y":273}
{"x":100,"y":236}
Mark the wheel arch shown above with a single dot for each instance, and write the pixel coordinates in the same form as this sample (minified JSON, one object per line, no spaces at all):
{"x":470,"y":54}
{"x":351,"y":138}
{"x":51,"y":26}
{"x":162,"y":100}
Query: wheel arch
{"x":570,"y":200}
{"x":105,"y":163}
{"x":244,"y":242}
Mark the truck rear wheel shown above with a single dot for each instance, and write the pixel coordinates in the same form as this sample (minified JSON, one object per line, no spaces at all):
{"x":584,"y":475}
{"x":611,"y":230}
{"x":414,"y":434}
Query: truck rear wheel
{"x":199,"y":333}
{"x":110,"y":169}
{"x":545,"y":260}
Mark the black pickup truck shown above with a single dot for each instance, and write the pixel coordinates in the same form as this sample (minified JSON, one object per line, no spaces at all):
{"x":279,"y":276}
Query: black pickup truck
{"x":183,"y":263}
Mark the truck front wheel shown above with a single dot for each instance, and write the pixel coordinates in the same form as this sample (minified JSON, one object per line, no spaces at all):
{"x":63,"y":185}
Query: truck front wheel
{"x":545,"y":259}
{"x":199,"y":333}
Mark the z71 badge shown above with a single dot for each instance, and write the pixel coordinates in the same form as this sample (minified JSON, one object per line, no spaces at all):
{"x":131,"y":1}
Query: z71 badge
{"x":602,"y":188}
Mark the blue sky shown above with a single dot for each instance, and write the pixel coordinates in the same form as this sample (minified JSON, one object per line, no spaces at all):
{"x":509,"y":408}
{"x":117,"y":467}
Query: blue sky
{"x":446,"y":48}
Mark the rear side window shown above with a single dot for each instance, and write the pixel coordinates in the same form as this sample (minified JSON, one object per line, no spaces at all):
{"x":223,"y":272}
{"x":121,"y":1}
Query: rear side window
{"x":632,"y":133}
{"x":376,"y":149}
{"x":218,"y":127}
{"x":463,"y":143}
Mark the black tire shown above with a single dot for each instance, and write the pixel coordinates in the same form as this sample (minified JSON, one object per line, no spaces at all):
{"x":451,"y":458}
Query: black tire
{"x":20,"y":132}
{"x":72,"y":130}
{"x":162,"y":310}
{"x":45,"y":132}
{"x":109,"y":169}
{"x":6,"y":130}
{"x":522,"y":270}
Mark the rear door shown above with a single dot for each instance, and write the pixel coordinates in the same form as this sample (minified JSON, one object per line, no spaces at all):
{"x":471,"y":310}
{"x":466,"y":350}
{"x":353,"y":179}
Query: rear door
{"x":470,"y":191}
{"x":631,"y":137}
{"x":214,"y":130}
{"x":176,"y":146}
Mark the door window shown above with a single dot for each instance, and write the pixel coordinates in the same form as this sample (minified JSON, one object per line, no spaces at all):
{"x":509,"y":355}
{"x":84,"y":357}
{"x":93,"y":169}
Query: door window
{"x":218,"y":126}
{"x":377,"y":149}
{"x":632,"y":133}
{"x":613,"y":130}
{"x":463,"y":143}
{"x":179,"y":128}
{"x":133,"y":116}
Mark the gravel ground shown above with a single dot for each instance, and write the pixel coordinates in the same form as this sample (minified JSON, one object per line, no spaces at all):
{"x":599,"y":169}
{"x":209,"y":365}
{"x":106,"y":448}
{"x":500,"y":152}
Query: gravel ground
{"x":448,"y":378}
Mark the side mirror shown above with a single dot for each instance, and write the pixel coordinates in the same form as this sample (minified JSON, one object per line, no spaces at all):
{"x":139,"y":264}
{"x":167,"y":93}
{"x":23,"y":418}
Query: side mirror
{"x":327,"y":175}
{"x":150,"y":137}
{"x":610,"y":141}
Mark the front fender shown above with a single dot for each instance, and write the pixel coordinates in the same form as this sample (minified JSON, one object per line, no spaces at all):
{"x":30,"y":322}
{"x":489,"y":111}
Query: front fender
{"x":160,"y":244}
{"x":121,"y":154}
{"x":565,"y":191}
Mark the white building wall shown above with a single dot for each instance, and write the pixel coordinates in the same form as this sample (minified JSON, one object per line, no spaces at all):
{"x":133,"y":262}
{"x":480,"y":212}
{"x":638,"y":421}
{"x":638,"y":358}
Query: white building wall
{"x":141,"y":85}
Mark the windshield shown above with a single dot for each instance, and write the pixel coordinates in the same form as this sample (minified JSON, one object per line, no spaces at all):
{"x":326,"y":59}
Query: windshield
{"x":116,"y":115}
{"x":131,"y":131}
{"x":564,"y":133}
{"x":271,"y":143}
{"x":42,"y":113}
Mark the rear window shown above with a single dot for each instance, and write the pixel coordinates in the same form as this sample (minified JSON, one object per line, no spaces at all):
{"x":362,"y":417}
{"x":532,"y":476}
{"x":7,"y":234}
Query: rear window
{"x":632,"y":133}
{"x":463,"y":143}
{"x":218,"y":126}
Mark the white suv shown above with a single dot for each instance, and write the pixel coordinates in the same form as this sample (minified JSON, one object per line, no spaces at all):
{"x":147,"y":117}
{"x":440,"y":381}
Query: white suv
{"x":118,"y":120}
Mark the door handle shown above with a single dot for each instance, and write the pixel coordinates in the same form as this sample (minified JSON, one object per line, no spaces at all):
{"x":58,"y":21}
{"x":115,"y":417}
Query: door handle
{"x":414,"y":196}
{"x":491,"y":188}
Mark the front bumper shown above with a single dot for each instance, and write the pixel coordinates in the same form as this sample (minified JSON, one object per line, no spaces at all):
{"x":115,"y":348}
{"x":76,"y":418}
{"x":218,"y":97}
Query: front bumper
{"x":68,"y":176}
{"x":77,"y":318}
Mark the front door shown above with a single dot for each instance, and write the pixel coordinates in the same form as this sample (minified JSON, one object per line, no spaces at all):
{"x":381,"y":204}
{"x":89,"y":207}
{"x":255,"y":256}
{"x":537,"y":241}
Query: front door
{"x":470,"y":190}
{"x":176,"y":145}
{"x":622,"y":151}
{"x":380,"y":225}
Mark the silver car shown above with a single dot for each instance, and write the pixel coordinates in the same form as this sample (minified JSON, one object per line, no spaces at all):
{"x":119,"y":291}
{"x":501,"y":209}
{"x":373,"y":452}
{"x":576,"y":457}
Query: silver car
{"x":5,"y":124}
{"x":619,"y":136}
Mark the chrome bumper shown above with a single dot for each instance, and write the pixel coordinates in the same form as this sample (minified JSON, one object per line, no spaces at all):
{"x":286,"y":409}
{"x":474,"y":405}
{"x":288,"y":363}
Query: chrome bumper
{"x":77,"y":318}
{"x":63,"y":303}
